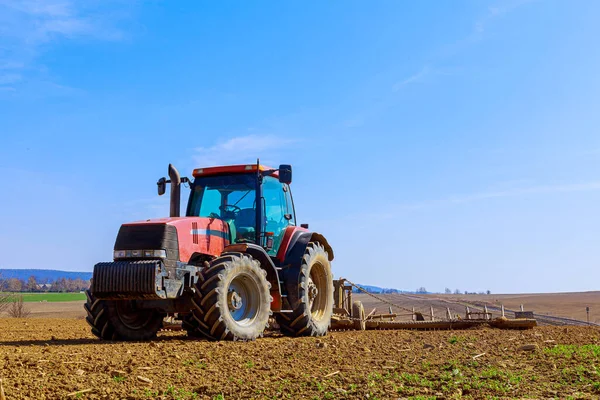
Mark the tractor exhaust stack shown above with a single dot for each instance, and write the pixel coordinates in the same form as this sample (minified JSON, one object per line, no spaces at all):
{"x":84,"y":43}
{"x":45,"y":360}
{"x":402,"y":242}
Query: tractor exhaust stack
{"x":175,"y":191}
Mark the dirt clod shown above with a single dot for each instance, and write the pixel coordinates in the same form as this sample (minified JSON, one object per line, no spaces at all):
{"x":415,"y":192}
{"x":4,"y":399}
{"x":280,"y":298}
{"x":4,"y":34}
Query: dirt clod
{"x":528,"y":347}
{"x":143,"y":379}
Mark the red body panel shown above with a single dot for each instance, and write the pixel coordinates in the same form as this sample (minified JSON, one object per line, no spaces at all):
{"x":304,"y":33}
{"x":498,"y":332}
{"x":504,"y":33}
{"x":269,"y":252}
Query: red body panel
{"x":209,"y":235}
{"x":285,"y":242}
{"x":196,"y":234}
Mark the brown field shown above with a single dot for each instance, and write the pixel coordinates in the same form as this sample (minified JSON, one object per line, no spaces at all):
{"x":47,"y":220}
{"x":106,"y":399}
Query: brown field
{"x":53,"y":355}
{"x":570,"y":305}
{"x":59,"y":358}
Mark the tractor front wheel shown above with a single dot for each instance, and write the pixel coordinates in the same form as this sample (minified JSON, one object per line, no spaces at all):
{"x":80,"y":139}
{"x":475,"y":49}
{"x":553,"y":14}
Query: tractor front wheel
{"x":231,"y":300}
{"x":121,"y":319}
{"x":132,"y":322}
{"x":314,"y":306}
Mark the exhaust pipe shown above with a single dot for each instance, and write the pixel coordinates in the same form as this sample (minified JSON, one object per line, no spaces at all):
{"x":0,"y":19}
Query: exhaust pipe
{"x":175,"y":191}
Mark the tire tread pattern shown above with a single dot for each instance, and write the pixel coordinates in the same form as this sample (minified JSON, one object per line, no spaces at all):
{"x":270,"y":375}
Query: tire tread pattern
{"x":300,"y":322}
{"x":206,"y":319}
{"x":97,"y":318}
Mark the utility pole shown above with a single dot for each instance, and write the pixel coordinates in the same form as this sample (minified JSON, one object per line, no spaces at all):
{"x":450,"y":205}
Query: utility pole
{"x":587,"y":311}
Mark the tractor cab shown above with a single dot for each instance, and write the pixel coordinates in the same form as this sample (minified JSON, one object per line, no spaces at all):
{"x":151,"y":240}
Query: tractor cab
{"x":254,"y":201}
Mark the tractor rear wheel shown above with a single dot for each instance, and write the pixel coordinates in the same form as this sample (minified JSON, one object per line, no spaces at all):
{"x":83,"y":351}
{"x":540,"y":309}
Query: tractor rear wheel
{"x":358,"y":316}
{"x":121,"y":319}
{"x":231,"y":300}
{"x":314,"y":306}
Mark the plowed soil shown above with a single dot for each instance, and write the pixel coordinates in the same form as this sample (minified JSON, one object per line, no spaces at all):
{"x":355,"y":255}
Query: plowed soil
{"x":59,"y":358}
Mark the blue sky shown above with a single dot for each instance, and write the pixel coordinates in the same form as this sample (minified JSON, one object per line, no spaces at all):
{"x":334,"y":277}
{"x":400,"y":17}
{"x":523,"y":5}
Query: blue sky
{"x":446,"y":144}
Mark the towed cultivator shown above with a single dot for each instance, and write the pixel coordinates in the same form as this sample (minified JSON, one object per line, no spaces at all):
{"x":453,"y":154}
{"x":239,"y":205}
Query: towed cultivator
{"x":350,"y":315}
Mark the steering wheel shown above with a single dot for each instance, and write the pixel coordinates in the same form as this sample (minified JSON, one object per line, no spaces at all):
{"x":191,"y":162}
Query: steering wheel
{"x":235,"y":210}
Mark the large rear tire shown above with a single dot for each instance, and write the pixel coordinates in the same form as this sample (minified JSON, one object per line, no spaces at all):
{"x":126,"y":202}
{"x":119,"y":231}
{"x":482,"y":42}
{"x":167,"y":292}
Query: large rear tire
{"x":121,"y":319}
{"x":314,"y":307}
{"x":231,"y":300}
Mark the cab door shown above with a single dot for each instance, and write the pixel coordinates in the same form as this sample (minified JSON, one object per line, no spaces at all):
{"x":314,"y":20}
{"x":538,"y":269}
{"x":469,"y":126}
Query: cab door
{"x":278,"y":213}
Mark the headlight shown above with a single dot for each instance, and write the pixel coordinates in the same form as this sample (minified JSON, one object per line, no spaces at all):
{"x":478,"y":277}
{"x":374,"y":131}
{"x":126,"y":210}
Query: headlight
{"x":139,"y":254}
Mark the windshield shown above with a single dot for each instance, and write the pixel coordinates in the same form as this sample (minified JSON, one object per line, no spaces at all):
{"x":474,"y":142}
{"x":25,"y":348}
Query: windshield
{"x":231,"y":198}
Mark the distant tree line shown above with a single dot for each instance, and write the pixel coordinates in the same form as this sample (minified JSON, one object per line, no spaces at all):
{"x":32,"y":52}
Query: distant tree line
{"x":420,"y":290}
{"x":457,"y":291}
{"x":59,"y":285}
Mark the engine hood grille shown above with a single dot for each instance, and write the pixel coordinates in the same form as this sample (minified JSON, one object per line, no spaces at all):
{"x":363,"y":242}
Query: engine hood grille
{"x":149,"y":237}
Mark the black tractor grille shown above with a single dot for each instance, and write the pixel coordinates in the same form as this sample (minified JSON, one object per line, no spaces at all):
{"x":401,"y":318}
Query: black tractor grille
{"x":149,"y":237}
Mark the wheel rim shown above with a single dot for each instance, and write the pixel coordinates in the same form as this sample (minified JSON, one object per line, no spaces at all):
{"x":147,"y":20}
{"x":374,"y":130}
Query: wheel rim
{"x":131,"y":316}
{"x":243,"y":299}
{"x":317,"y":291}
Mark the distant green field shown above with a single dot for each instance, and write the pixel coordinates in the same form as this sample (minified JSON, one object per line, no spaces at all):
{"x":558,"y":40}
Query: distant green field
{"x":51,"y":297}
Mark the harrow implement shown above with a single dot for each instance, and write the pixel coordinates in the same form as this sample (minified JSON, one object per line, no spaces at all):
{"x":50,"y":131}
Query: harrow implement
{"x":346,"y":318}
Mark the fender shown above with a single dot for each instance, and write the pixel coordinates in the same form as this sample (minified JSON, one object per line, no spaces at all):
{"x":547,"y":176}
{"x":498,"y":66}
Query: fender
{"x":298,"y":239}
{"x":259,"y":254}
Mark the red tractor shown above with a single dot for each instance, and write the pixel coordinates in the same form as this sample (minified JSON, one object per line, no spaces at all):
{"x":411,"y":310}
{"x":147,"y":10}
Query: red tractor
{"x":236,"y":259}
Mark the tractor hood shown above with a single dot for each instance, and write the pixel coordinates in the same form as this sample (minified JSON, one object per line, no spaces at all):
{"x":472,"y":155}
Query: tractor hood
{"x":181,"y":237}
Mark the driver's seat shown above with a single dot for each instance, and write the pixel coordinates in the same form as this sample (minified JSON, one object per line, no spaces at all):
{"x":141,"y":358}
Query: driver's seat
{"x":245,"y":224}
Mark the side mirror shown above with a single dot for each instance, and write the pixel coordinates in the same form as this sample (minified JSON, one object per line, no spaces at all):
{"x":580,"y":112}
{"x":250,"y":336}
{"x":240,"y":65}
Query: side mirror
{"x":162,"y":186}
{"x":285,"y":174}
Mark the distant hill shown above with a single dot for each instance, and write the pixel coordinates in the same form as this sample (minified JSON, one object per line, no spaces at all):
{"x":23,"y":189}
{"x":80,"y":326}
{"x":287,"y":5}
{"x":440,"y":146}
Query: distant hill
{"x":377,"y":289}
{"x":43,"y":275}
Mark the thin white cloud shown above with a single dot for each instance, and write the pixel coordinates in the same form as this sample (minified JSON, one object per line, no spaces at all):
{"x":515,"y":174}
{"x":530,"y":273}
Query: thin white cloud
{"x":507,"y":193}
{"x":591,"y":152}
{"x":481,"y":25}
{"x":542,"y":189}
{"x":9,"y":78}
{"x":29,"y":27}
{"x":354,"y":122}
{"x":364,"y":219}
{"x":417,"y":77}
{"x":242,"y":150}
{"x":426,"y":73}
{"x":495,"y":12}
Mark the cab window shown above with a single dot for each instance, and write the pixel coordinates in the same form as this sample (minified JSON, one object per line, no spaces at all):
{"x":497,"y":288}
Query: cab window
{"x":277,"y":211}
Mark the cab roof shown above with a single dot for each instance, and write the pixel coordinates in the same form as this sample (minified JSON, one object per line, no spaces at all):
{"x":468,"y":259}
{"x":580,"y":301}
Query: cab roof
{"x":232,"y":169}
